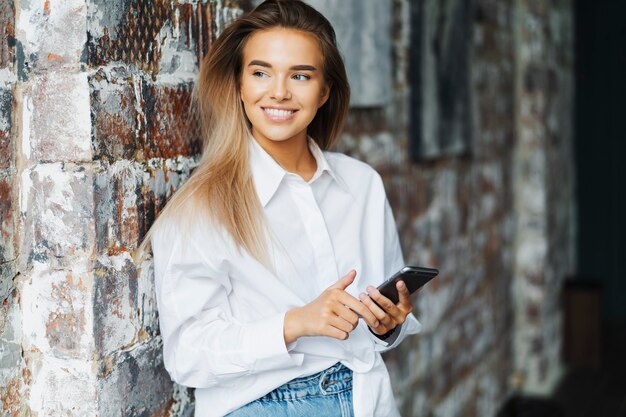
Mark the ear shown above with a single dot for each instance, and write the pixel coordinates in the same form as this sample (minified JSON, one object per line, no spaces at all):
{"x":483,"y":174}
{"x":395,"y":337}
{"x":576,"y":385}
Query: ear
{"x":324,"y":95}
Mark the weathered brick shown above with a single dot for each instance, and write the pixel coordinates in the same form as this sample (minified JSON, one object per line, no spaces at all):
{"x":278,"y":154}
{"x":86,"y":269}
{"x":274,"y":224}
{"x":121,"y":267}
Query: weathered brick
{"x":163,"y":179}
{"x":166,"y":40}
{"x":62,"y":387}
{"x":58,"y":324}
{"x":7,"y":220}
{"x":116,"y":321}
{"x":60,"y":119}
{"x":129,"y":196}
{"x":190,"y":33}
{"x":117,"y":193}
{"x":58,"y":207}
{"x":127,"y":32}
{"x":117,"y":132}
{"x":52,"y":34}
{"x":6,"y":113}
{"x":8,"y":272}
{"x":14,"y":376}
{"x":139,"y":120}
{"x":10,"y":331}
{"x":135,"y":383}
{"x":7,"y":29}
{"x":170,"y":124}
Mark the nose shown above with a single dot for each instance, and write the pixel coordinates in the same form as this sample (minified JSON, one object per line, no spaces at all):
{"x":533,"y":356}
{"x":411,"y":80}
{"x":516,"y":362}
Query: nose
{"x":280,"y":89}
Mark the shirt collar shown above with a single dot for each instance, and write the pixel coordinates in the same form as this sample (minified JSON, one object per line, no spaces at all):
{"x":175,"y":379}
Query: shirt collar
{"x":323,"y":165}
{"x":268,"y":174}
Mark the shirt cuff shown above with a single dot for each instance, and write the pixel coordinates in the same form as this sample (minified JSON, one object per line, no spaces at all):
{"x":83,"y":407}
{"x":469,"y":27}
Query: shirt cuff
{"x":409,"y":327}
{"x":266,"y":341}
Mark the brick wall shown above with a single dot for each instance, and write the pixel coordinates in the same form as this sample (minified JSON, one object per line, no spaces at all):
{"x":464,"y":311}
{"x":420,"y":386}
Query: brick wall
{"x":95,"y":97}
{"x":543,"y":187}
{"x":96,"y":132}
{"x":13,"y":375}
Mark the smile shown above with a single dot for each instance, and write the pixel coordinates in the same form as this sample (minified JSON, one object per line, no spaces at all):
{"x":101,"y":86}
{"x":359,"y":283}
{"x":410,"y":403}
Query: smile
{"x":278,"y":114}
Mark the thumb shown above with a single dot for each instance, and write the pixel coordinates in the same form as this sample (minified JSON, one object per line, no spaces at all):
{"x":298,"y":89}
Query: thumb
{"x":345,"y":281}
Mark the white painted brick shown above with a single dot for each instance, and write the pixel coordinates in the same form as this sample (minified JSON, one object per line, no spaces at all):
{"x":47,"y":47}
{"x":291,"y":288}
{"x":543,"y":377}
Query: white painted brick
{"x":63,"y":387}
{"x":57,"y":119}
{"x":57,"y":312}
{"x":56,"y":202}
{"x":52,"y":33}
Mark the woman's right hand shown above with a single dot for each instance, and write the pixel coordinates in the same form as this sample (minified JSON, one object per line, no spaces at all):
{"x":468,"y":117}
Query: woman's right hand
{"x":333,"y":314}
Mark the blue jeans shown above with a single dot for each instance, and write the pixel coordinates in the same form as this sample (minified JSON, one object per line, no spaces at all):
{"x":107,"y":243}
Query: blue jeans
{"x":325,"y":394}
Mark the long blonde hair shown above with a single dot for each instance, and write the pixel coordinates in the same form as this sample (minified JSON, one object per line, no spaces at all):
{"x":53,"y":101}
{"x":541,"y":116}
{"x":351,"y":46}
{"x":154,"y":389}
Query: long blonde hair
{"x":222,"y":187}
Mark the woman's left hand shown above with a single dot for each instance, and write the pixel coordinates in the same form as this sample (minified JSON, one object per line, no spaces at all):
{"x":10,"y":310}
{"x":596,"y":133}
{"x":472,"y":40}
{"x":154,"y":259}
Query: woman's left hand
{"x":389,"y":315}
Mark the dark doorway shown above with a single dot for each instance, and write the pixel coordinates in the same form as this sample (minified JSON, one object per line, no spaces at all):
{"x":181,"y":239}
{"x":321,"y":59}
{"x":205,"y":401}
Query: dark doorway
{"x":596,"y":388}
{"x":601,"y":149}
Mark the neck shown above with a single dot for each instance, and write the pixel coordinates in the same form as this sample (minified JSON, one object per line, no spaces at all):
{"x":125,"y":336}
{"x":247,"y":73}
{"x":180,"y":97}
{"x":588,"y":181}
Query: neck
{"x":292,"y":154}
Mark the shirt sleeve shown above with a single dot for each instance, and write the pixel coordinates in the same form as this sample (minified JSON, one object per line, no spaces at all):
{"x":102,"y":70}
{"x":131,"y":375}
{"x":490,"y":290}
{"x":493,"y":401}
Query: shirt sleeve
{"x":203,"y":344}
{"x":394,"y":261}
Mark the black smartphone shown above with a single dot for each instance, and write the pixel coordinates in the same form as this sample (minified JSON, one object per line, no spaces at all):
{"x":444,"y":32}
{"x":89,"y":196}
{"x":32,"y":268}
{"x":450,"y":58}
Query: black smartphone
{"x":413,"y":276}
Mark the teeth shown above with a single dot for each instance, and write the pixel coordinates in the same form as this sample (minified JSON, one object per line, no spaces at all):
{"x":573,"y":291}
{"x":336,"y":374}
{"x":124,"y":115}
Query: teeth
{"x":279,"y":113}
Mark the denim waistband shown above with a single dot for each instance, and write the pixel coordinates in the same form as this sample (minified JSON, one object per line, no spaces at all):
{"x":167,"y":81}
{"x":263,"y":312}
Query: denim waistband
{"x":333,"y":380}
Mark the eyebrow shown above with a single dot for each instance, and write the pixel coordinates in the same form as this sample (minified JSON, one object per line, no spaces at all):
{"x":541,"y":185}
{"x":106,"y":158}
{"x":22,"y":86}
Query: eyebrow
{"x":293,"y":68}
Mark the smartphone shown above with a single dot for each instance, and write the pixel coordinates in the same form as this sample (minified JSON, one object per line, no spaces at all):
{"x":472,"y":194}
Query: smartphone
{"x":413,"y":276}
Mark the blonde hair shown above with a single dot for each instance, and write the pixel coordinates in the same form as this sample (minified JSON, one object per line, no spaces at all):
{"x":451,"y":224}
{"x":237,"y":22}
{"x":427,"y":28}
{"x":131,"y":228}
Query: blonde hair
{"x":222,"y":187}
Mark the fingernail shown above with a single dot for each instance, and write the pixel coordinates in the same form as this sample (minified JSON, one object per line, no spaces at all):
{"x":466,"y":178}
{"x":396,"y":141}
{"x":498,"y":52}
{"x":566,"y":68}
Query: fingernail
{"x":377,"y":323}
{"x":402,"y":284}
{"x":362,"y":296}
{"x":370,"y":288}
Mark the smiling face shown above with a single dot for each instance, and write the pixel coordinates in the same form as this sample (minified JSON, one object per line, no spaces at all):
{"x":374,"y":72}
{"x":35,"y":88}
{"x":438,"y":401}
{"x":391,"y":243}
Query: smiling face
{"x":282,"y":83}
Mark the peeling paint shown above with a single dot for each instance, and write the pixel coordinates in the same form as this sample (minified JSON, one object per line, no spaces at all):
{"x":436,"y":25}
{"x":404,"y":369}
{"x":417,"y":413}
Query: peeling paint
{"x":132,"y":37}
{"x":27,"y":106}
{"x":61,"y":31}
{"x":83,"y":83}
{"x":7,"y":28}
{"x":127,"y":379}
{"x":64,"y":387}
{"x":7,"y":77}
{"x":59,"y":128}
{"x":61,"y":195}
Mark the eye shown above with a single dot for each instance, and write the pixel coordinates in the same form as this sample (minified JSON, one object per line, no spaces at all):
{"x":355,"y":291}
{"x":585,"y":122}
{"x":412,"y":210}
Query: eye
{"x":301,"y":77}
{"x":259,"y":74}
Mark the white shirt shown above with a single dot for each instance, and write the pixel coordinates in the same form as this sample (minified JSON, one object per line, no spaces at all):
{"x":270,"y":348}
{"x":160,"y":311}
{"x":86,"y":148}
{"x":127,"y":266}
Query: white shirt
{"x":221,"y":312}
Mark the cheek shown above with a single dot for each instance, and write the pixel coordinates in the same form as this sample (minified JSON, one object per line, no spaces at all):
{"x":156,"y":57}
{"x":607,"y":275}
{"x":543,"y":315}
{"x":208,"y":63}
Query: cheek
{"x":245,"y":92}
{"x":251,"y":91}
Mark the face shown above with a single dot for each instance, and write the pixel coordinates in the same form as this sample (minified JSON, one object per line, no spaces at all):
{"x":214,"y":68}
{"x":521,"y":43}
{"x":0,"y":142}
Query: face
{"x":282,"y":83}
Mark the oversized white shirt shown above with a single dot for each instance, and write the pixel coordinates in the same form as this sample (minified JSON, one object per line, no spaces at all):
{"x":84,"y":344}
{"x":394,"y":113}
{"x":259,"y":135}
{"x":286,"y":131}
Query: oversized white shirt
{"x":221,"y":312}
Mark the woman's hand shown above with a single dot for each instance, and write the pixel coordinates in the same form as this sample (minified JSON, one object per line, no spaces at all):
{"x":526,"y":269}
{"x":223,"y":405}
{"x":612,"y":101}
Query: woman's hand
{"x":335,"y":313}
{"x":388,"y":314}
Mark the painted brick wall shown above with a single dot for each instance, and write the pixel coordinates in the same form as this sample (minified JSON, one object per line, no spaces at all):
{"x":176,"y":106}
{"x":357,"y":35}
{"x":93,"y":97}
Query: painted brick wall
{"x":543,"y":181}
{"x":13,"y":375}
{"x":96,"y":132}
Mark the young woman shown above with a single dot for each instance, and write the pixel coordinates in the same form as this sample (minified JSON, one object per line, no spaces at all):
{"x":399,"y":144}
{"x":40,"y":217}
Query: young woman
{"x":267,"y":259}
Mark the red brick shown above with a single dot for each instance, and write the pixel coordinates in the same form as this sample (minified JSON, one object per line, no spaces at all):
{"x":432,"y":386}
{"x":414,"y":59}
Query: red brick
{"x":171,"y":126}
